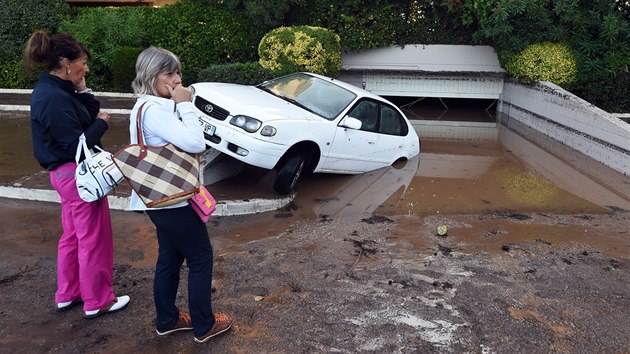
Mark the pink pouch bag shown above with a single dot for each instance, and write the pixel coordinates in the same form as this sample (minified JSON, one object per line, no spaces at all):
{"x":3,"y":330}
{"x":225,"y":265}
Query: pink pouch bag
{"x":203,"y":203}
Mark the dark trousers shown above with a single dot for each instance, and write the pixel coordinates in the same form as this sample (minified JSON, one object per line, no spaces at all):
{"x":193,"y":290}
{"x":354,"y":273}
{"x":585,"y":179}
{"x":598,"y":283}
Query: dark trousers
{"x":182,"y":235}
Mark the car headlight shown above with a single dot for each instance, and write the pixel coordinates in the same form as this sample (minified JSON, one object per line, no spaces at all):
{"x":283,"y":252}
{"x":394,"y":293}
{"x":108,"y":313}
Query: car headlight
{"x":246,"y":123}
{"x":268,"y":130}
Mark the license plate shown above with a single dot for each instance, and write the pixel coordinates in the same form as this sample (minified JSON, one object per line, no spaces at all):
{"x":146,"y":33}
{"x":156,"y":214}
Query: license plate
{"x":208,"y":128}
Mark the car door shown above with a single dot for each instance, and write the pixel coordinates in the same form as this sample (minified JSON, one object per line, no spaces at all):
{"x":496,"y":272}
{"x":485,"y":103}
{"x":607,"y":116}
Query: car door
{"x":391,"y":129}
{"x":351,"y":149}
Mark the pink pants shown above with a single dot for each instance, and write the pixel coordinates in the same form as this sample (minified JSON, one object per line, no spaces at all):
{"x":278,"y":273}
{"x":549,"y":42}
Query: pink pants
{"x":85,"y":253}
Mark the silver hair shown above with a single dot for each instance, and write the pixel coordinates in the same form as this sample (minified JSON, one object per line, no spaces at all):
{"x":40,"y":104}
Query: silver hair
{"x":152,"y":62}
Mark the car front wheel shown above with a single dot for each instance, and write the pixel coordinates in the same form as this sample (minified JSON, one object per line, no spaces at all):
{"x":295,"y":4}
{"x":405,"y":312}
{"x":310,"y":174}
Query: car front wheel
{"x":289,"y":173}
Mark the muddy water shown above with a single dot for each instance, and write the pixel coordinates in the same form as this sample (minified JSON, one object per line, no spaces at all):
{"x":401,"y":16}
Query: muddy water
{"x":512,"y":175}
{"x":458,"y":177}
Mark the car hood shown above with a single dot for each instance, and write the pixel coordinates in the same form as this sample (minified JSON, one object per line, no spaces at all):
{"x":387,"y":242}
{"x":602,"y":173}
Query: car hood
{"x":251,"y":101}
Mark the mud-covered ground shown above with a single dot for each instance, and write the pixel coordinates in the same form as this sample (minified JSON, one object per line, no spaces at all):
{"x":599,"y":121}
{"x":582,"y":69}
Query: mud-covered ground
{"x":351,"y":284}
{"x":551,"y":279}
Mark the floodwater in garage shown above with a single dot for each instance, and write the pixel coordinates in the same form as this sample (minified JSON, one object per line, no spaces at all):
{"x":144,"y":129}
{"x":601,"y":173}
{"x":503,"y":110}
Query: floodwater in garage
{"x":511,"y":174}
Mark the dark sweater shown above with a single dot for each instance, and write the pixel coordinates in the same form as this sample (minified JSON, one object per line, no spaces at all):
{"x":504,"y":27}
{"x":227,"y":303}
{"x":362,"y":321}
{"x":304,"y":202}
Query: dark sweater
{"x":58,"y":117}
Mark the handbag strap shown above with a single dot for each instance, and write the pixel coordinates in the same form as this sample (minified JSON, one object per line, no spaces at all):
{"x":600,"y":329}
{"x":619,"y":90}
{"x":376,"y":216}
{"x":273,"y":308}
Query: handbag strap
{"x":139,"y":127}
{"x":82,"y":147}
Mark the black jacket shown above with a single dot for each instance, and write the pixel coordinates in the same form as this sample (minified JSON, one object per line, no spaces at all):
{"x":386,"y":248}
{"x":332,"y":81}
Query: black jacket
{"x":58,"y":117}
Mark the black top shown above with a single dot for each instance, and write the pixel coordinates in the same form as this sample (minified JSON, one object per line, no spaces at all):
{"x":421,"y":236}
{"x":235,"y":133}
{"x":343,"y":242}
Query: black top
{"x":59,"y":115}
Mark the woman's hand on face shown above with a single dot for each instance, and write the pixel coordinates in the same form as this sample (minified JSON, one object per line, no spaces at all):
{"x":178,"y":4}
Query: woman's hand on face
{"x":81,"y":85}
{"x":104,"y":116}
{"x":180,"y":93}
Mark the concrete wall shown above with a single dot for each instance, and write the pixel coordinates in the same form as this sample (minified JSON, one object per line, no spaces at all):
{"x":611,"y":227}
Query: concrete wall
{"x":444,"y":129}
{"x":568,"y":119}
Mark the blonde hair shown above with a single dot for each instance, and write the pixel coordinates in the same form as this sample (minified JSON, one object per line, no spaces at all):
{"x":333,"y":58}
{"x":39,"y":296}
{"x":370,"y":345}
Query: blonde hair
{"x":152,"y":62}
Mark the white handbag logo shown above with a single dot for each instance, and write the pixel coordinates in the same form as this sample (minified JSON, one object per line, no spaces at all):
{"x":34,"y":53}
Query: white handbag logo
{"x":97,"y":175}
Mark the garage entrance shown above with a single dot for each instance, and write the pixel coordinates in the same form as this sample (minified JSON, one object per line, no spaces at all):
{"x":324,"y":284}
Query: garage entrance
{"x":447,"y":91}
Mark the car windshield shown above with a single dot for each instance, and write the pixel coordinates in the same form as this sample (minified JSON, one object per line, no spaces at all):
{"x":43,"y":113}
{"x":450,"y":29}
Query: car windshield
{"x":311,"y":93}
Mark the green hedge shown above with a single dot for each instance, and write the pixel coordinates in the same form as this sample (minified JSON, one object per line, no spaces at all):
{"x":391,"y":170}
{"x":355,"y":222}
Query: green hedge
{"x":124,"y":67}
{"x":18,"y":20}
{"x":543,"y":62}
{"x":301,"y":48}
{"x":203,"y":35}
{"x":104,"y":31}
{"x":238,"y":73}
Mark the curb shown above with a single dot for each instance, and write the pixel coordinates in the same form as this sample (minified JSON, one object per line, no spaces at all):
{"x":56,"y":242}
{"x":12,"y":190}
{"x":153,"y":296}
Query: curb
{"x":224,"y":208}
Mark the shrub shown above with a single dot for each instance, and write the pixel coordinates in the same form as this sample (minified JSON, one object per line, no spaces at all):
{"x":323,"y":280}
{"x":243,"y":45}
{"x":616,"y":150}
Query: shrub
{"x":202,"y":35}
{"x":301,"y":48}
{"x":20,"y":18}
{"x":12,"y":75}
{"x":124,"y":67}
{"x":238,"y":73}
{"x":544,"y":61}
{"x":104,"y":30}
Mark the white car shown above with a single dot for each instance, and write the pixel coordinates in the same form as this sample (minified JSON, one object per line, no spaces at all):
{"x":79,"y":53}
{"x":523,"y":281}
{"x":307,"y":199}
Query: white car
{"x":304,"y":122}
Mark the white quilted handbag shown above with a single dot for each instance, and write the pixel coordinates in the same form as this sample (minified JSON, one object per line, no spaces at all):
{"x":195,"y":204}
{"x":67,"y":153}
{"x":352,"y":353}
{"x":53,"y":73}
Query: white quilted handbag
{"x":97,"y":175}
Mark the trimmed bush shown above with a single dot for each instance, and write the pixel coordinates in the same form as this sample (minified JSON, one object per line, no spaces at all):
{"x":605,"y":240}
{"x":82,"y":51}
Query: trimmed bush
{"x":20,"y":18}
{"x":237,"y":73}
{"x":202,"y":35}
{"x":12,"y":75}
{"x":544,"y":61}
{"x":104,"y":30}
{"x":301,"y":48}
{"x":124,"y":67}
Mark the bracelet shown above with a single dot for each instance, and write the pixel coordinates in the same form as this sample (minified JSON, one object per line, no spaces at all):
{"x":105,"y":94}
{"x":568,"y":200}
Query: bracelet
{"x":87,"y":90}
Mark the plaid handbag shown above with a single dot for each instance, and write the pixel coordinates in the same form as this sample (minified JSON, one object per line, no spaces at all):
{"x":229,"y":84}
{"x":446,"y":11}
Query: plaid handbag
{"x":160,"y":175}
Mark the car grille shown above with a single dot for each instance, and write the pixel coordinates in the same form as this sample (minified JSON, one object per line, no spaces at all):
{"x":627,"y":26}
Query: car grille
{"x":211,"y":109}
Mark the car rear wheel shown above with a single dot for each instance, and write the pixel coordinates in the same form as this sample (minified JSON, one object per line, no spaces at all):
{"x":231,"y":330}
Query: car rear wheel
{"x":289,"y":173}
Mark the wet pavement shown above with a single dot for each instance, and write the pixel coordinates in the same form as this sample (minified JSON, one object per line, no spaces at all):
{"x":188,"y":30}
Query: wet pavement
{"x":535,"y":258}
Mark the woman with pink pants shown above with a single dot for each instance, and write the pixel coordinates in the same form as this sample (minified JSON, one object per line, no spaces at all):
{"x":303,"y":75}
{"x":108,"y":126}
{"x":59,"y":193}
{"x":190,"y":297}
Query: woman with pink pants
{"x":62,"y":109}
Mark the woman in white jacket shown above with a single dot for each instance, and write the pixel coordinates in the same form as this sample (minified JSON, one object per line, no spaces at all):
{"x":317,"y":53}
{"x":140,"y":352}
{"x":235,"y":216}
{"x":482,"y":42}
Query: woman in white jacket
{"x":168,"y":116}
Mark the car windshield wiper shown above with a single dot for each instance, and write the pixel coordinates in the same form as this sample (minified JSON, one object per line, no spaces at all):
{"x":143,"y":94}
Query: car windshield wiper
{"x":288,"y":99}
{"x":292,"y":100}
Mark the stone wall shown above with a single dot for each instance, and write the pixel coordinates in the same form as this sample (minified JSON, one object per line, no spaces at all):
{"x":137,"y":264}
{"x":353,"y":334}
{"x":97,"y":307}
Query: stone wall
{"x":568,"y":119}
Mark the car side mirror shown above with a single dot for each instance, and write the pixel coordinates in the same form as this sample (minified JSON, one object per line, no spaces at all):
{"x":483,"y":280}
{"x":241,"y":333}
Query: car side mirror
{"x":351,"y":122}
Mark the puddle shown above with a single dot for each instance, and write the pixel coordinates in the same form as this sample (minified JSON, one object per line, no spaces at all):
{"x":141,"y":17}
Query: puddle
{"x":515,"y":174}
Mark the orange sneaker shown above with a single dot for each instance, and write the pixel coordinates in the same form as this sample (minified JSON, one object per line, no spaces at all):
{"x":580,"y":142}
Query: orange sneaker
{"x":183,"y":324}
{"x":223,"y":322}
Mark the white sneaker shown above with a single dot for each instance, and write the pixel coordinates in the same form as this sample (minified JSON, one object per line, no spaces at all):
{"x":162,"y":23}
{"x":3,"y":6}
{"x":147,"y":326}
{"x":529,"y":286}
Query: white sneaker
{"x":118,"y":304}
{"x":64,"y":306}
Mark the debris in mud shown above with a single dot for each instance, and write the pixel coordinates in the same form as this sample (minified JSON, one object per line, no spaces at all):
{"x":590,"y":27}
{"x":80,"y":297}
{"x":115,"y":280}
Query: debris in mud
{"x":363,"y":249}
{"x":10,"y":279}
{"x":506,"y":247}
{"x":295,"y":287}
{"x":584,"y":217}
{"x":325,"y":218}
{"x":443,"y":285}
{"x":543,"y":241}
{"x":442,"y":230}
{"x":377,"y":219}
{"x":492,"y":233}
{"x":615,"y":209}
{"x":614,"y":264}
{"x":510,"y":215}
{"x":362,"y":245}
{"x":445,"y":250}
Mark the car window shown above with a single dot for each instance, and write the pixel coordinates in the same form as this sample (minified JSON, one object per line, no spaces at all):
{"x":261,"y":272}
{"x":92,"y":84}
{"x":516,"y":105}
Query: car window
{"x":392,"y":122}
{"x":367,"y":112}
{"x":314,"y":94}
